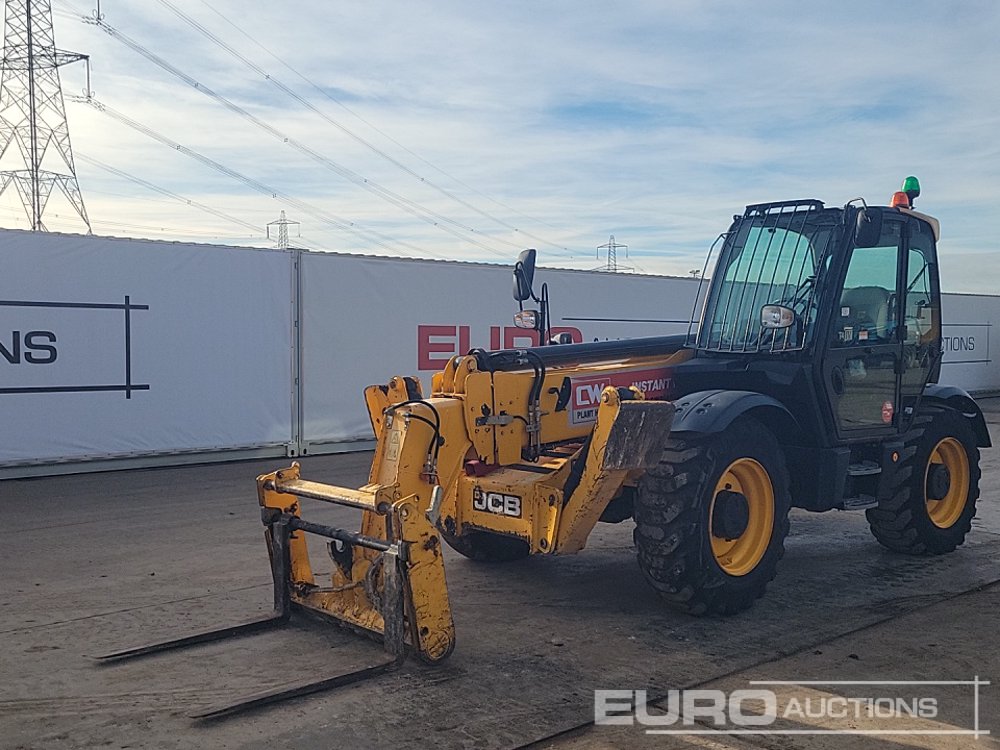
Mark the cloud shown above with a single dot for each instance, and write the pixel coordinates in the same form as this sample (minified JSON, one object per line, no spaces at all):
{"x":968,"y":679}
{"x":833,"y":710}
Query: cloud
{"x":651,"y":121}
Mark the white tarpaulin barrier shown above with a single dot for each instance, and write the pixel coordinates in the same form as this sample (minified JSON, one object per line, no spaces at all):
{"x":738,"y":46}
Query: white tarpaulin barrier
{"x":122,"y":348}
{"x":965,"y":338}
{"x":367,"y":319}
{"x":113,"y":348}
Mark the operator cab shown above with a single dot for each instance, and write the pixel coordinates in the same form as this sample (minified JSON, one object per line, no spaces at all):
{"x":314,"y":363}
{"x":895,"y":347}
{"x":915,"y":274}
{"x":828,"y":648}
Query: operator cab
{"x":849,"y":293}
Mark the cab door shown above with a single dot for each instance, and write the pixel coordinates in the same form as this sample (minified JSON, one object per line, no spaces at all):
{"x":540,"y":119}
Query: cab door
{"x":921,"y":316}
{"x":864,"y":356}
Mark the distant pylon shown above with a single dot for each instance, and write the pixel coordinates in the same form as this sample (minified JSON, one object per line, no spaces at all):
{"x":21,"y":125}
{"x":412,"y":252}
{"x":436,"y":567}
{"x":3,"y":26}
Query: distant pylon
{"x":33,"y":114}
{"x":612,"y":247}
{"x":282,"y":223}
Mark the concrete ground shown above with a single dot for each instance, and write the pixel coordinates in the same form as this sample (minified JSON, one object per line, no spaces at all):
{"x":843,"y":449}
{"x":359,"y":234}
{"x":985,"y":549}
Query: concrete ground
{"x":92,"y":563}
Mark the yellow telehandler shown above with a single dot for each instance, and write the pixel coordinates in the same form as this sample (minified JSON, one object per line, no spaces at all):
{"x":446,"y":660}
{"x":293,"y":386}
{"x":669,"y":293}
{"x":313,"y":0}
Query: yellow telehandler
{"x":811,"y":381}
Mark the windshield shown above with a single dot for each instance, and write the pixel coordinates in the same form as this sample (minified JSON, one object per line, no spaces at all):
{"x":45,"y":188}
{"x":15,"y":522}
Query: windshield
{"x":770,"y":258}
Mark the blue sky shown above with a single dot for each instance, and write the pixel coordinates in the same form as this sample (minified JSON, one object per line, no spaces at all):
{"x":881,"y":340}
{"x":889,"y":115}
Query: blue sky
{"x":546,"y":124}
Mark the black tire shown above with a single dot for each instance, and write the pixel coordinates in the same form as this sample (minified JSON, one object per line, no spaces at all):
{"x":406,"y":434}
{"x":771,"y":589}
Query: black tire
{"x":903,"y":521}
{"x":673,"y":533}
{"x":483,"y":546}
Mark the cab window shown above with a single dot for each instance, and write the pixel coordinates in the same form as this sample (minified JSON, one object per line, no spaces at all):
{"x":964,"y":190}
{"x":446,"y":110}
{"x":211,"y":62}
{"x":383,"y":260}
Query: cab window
{"x":867,"y":313}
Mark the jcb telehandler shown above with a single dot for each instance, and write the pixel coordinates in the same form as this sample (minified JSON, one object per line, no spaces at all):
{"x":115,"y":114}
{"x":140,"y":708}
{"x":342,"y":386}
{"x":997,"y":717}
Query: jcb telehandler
{"x":811,"y":381}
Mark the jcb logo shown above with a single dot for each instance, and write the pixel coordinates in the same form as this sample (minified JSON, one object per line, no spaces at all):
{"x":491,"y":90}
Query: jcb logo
{"x":496,"y":502}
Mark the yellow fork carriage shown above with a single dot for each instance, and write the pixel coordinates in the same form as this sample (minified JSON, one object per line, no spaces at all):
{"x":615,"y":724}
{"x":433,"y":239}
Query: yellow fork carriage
{"x":377,"y":579}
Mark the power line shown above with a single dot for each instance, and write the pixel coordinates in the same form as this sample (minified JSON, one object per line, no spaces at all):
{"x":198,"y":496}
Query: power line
{"x":385,"y":135}
{"x":357,"y":138}
{"x":167,"y":230}
{"x":431,"y":217}
{"x":164,"y":191}
{"x":19,"y":217}
{"x":369,"y":235}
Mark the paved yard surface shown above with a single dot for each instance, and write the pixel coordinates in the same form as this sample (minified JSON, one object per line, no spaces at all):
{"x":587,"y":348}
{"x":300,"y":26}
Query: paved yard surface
{"x":95,"y":562}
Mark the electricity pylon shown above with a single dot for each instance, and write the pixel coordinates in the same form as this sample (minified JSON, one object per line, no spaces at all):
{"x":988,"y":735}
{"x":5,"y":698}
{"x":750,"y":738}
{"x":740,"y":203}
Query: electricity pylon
{"x":282,"y":224}
{"x":612,"y":265}
{"x":33,"y":114}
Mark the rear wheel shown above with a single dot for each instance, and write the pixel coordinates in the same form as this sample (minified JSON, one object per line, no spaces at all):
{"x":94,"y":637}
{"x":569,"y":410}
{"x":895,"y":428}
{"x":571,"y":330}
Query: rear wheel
{"x":483,"y":546}
{"x":711,"y":519}
{"x":936,"y":485}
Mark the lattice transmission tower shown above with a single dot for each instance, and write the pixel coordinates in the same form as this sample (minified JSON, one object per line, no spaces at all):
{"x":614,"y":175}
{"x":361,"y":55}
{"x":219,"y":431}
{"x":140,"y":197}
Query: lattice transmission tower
{"x":34,"y":134}
{"x":282,"y":224}
{"x":612,"y":265}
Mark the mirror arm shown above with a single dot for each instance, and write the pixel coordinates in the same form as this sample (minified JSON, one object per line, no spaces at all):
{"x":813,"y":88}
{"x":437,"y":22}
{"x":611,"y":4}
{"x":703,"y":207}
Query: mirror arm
{"x":544,"y":323}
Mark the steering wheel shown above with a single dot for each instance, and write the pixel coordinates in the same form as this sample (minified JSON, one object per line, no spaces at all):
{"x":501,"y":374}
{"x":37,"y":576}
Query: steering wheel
{"x":801,"y":299}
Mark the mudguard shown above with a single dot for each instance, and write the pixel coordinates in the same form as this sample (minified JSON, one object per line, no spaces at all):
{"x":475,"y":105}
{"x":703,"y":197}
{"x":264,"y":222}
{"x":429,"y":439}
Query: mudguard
{"x":955,"y":398}
{"x":714,"y":411}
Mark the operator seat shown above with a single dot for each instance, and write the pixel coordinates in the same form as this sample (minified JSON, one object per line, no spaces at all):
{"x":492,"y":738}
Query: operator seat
{"x":868,"y":309}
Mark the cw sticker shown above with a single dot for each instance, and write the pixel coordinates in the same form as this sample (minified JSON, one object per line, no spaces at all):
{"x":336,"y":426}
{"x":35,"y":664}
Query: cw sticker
{"x":585,"y":396}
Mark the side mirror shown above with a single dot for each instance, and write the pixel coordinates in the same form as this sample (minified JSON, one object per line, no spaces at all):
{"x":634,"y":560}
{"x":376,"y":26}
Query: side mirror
{"x":776,"y":317}
{"x":529,"y":319}
{"x":524,"y":275}
{"x":869,"y":227}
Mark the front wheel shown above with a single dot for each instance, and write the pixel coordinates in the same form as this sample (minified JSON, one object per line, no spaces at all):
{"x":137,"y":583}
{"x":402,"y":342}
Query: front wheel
{"x":712,"y":518}
{"x":936,"y":485}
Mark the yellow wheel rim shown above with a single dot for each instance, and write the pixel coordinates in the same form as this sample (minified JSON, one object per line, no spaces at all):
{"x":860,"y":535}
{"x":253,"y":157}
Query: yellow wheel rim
{"x":946,"y":511}
{"x":739,"y":556}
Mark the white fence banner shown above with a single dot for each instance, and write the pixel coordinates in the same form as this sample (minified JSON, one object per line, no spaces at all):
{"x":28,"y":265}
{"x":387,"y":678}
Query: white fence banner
{"x":113,"y":348}
{"x":124,"y":347}
{"x":965,"y":338}
{"x":367,"y":319}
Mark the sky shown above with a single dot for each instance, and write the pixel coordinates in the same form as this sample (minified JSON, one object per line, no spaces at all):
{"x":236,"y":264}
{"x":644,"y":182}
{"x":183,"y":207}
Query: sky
{"x":469,"y":131}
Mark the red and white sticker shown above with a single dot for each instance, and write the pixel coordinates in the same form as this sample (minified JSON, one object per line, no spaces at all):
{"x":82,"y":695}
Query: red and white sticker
{"x":586,"y":391}
{"x":887,"y":412}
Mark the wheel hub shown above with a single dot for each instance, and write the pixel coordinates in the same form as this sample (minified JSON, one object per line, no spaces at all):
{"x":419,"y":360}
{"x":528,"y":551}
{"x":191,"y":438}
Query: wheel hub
{"x":938,"y":482}
{"x":946,"y":482}
{"x":731,"y":515}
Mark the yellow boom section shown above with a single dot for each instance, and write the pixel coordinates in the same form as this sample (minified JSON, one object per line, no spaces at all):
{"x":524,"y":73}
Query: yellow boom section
{"x":482,"y":454}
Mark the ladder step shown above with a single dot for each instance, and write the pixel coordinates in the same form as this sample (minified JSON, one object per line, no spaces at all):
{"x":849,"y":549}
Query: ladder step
{"x":861,"y":502}
{"x":863,"y":469}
